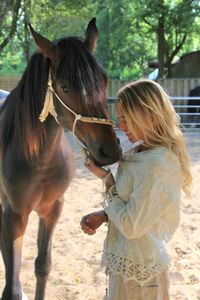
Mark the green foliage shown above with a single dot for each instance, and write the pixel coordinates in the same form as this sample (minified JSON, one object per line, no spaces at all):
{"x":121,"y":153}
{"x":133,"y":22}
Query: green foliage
{"x":177,"y":19}
{"x":12,"y":59}
{"x":127,"y":30}
{"x":124,"y":45}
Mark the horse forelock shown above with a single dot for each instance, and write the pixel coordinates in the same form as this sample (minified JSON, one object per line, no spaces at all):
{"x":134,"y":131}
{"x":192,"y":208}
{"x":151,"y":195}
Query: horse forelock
{"x":80,"y":70}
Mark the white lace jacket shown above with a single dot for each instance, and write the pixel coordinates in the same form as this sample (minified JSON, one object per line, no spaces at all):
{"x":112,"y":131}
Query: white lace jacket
{"x":143,"y":210}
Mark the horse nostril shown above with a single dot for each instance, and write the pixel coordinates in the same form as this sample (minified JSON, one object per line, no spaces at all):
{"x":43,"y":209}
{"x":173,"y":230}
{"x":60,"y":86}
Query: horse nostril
{"x":103,"y":153}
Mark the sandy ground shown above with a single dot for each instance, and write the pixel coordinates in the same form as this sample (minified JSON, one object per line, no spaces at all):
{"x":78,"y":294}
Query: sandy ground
{"x":76,"y":273}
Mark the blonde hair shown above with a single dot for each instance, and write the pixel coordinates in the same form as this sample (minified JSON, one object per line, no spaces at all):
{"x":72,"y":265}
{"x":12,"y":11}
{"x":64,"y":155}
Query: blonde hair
{"x":147,"y":108}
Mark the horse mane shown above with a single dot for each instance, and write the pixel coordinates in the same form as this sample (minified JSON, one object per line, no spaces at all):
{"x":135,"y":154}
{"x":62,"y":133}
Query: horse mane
{"x":21,"y":110}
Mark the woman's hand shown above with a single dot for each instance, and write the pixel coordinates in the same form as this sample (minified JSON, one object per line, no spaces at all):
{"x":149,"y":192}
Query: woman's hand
{"x":101,"y":173}
{"x":96,"y":170}
{"x":91,"y":222}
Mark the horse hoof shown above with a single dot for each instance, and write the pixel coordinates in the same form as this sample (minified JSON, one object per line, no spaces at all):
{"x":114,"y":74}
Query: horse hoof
{"x":24,"y":297}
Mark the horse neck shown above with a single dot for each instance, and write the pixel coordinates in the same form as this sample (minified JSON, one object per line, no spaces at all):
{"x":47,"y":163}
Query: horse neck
{"x":52,"y":142}
{"x":53,"y":132}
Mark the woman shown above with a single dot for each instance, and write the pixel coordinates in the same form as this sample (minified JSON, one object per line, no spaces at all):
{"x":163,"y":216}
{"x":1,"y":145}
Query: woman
{"x":142,"y":204}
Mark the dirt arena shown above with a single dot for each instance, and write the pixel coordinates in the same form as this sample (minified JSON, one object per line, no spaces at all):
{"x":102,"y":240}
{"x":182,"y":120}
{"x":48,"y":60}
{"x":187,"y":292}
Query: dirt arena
{"x":76,"y":272}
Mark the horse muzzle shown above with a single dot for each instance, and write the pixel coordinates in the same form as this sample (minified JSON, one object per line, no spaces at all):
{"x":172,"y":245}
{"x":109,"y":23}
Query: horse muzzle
{"x":106,"y":153}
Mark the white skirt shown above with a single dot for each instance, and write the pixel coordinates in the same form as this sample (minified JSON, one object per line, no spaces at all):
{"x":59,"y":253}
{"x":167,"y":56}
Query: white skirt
{"x":155,"y":289}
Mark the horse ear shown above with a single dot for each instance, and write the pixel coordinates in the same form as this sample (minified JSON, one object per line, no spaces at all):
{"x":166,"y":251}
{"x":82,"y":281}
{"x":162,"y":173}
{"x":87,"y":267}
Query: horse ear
{"x":46,"y":47}
{"x":91,"y":35}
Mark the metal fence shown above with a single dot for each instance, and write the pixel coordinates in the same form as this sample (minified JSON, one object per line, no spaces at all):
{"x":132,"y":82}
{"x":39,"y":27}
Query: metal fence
{"x":188,"y":108}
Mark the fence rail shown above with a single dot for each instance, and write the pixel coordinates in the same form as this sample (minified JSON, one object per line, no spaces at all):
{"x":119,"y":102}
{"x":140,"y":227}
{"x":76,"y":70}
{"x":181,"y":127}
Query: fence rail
{"x":173,"y":86}
{"x":184,"y":105}
{"x":189,"y":114}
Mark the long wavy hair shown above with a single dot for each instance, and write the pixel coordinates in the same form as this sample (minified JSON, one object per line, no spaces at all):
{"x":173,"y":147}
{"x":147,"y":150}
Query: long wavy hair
{"x":147,"y":108}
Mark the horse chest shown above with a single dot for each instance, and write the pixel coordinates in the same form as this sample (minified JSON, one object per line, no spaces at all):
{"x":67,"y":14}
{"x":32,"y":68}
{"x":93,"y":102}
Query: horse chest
{"x":38,"y":185}
{"x":53,"y":178}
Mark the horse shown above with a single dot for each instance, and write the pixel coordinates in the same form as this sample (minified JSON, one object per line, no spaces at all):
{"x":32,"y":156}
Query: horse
{"x":63,"y":87}
{"x":193,"y":105}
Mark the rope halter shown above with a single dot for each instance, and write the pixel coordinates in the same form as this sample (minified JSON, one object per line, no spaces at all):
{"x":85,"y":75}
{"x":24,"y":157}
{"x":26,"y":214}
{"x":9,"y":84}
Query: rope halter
{"x":50,"y":109}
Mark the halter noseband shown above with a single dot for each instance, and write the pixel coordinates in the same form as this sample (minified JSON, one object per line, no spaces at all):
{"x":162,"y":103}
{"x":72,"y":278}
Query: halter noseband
{"x":50,"y":109}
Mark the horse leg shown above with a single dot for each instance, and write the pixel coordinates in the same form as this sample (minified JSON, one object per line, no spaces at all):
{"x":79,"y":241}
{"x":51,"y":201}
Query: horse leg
{"x":43,"y":260}
{"x":12,"y":231}
{"x":0,"y":223}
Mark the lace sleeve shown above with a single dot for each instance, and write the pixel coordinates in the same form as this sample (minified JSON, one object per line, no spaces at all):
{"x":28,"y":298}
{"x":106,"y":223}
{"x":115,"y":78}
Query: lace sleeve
{"x":109,"y":195}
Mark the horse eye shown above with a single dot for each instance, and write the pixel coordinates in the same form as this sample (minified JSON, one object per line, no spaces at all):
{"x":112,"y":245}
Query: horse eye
{"x":64,"y":89}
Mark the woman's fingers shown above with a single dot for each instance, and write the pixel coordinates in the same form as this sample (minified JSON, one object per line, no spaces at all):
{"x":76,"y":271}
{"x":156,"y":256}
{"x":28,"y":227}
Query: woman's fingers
{"x":96,"y":170}
{"x":89,"y":230}
{"x":89,"y":162}
{"x":85,"y":227}
{"x":83,"y":222}
{"x":91,"y":222}
{"x":90,"y":165}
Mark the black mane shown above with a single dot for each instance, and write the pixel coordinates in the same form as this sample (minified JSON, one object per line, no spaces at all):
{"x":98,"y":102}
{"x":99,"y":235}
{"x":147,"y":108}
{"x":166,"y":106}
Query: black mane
{"x":22,"y":107}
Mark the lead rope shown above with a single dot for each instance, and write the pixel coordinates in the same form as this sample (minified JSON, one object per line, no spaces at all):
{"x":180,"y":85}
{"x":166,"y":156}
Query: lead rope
{"x":83,"y":150}
{"x":48,"y":105}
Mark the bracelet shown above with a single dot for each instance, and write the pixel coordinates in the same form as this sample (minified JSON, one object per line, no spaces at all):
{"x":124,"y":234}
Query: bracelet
{"x":111,"y":193}
{"x":109,"y":196}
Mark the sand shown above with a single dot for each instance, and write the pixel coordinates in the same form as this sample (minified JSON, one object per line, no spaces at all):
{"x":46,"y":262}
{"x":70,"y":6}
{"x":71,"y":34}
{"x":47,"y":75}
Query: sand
{"x":76,"y":272}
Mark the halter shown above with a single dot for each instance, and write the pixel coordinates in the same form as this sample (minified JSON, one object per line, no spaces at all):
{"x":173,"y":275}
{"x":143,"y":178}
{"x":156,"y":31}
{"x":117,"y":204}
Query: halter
{"x":50,"y":109}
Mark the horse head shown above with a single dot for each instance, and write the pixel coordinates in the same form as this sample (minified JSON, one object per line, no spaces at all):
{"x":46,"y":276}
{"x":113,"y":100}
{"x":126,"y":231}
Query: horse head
{"x":79,"y":86}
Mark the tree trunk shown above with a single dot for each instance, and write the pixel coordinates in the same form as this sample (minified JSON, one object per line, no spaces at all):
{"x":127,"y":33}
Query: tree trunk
{"x":13,"y":25}
{"x":26,"y":44}
{"x":161,"y":42}
{"x":173,"y":54}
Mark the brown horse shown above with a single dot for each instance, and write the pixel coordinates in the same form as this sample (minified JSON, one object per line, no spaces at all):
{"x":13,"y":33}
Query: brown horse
{"x":64,"y":82}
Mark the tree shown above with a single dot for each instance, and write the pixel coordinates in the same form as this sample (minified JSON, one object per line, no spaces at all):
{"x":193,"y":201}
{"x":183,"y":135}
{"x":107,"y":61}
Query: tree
{"x":131,"y":33}
{"x":118,"y":48}
{"x":183,"y":17}
{"x":9,"y":16}
{"x":173,"y":21}
{"x":52,"y":18}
